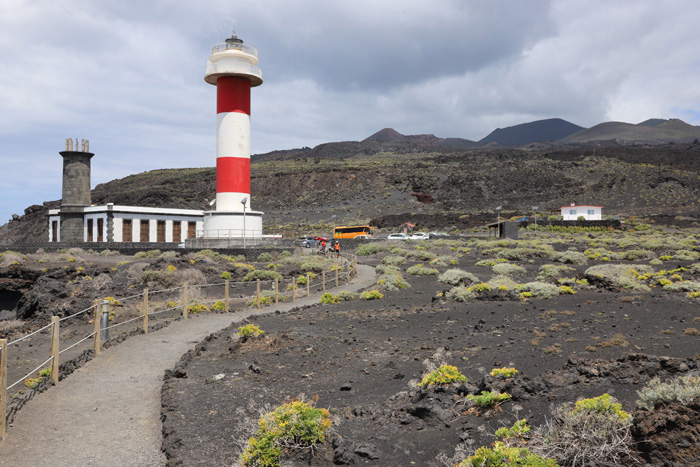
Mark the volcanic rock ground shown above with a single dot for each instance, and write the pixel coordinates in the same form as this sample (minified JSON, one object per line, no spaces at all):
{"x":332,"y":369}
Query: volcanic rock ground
{"x":361,"y":360}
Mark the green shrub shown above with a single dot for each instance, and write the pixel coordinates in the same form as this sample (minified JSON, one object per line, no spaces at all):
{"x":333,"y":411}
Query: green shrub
{"x":394,"y":260}
{"x":345,"y":296}
{"x":219,"y":306}
{"x":197,"y":308}
{"x":502,"y":283}
{"x":570,"y":257}
{"x":226,"y":275}
{"x":625,"y":276}
{"x":517,"y":431}
{"x":420,"y":270}
{"x":264,"y":257}
{"x":165,"y":279}
{"x":371,"y":295}
{"x":391,"y":278}
{"x":634,"y":255}
{"x":368,"y":249}
{"x":686,"y":255}
{"x":446,"y":374}
{"x":553,"y":271}
{"x":296,"y":425}
{"x":504,"y":456}
{"x":147,"y":254}
{"x":460,"y":294}
{"x":263,"y":275}
{"x":250,"y":330}
{"x":507,"y":269}
{"x":329,"y":299}
{"x":424,"y":255}
{"x":505,"y":372}
{"x":489,"y":398}
{"x":680,"y":390}
{"x":540,"y":289}
{"x":594,"y":431}
{"x":456,"y":276}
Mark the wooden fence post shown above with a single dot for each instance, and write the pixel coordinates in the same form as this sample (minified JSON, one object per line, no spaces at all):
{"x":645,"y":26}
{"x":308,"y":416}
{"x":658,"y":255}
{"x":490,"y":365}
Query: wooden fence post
{"x":98,"y":343}
{"x":54,"y":349}
{"x":184,"y":301}
{"x":3,"y":387}
{"x":308,"y":284}
{"x":257,"y":294}
{"x":145,"y":311}
{"x":348,"y":273}
{"x":226,"y":297}
{"x":294,"y":289}
{"x":277,"y":290}
{"x":323,"y":278}
{"x":336,"y":277}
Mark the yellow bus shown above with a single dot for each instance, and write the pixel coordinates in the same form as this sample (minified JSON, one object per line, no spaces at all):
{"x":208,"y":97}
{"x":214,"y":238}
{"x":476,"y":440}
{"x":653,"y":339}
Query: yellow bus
{"x":352,"y":231}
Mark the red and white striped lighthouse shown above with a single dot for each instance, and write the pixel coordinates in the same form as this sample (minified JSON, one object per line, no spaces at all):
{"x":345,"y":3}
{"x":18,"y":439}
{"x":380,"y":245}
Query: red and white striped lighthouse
{"x":233,"y":69}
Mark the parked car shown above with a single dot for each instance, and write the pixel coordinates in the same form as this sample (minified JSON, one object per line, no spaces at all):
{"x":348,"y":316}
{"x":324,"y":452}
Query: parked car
{"x":308,"y":242}
{"x":398,"y":236}
{"x":419,"y":236}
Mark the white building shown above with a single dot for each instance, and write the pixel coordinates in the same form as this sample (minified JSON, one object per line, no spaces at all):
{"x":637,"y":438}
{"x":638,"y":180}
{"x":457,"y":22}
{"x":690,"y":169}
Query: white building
{"x":589,"y":212}
{"x":136,"y":224}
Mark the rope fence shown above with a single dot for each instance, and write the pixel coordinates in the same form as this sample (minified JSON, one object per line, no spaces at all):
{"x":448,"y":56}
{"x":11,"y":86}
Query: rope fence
{"x":184,"y":300}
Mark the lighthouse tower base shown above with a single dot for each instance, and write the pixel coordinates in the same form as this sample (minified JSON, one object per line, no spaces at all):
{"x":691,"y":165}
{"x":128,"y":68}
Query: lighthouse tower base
{"x":225,"y":229}
{"x":233,"y":224}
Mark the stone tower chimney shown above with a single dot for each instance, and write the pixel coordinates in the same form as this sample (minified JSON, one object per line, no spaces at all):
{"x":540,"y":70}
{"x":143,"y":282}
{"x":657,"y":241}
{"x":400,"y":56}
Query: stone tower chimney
{"x":76,"y":189}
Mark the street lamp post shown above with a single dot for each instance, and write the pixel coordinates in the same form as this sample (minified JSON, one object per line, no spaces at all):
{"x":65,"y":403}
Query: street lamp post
{"x":498,"y":225}
{"x":243,"y":202}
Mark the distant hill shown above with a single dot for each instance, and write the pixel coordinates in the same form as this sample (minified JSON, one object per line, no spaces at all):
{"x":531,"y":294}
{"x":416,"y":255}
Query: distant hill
{"x":670,"y":131}
{"x":551,"y":129}
{"x":653,"y":122}
{"x":391,"y":135}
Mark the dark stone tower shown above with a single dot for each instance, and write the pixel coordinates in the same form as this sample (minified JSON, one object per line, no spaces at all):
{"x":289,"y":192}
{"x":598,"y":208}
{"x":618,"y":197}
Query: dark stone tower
{"x":76,"y":190}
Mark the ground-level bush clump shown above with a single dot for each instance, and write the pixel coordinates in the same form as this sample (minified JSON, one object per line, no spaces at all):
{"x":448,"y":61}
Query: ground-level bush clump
{"x":446,"y":374}
{"x":296,"y":425}
{"x":622,"y":275}
{"x":394,"y":260}
{"x":369,"y":249}
{"x":391,"y":278}
{"x":539,"y":289}
{"x":420,"y":270}
{"x":681,"y":390}
{"x":456,"y":276}
{"x":507,"y":269}
{"x":263,"y":275}
{"x":504,"y":456}
{"x":594,"y":431}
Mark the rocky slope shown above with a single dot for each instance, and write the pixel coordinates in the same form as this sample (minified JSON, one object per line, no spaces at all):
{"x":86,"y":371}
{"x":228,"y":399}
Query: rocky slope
{"x":301,"y":190}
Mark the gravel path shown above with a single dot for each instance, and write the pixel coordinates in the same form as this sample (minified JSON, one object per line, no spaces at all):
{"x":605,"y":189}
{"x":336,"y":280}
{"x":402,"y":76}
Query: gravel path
{"x":108,"y":412}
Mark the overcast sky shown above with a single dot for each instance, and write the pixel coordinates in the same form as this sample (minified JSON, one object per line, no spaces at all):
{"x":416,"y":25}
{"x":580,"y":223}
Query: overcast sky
{"x":128,"y":75}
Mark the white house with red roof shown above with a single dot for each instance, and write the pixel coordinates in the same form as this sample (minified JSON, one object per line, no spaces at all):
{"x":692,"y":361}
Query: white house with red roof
{"x":589,"y":212}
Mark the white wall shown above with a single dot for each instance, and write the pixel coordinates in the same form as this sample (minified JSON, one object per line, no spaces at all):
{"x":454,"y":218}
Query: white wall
{"x":568,"y":215}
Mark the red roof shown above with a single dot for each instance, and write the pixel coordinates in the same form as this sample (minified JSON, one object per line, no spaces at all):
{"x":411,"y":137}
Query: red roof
{"x":408,"y":224}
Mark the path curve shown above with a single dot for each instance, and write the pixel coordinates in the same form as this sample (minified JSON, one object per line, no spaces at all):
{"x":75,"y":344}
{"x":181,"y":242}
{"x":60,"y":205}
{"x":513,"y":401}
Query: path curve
{"x":107,"y":413}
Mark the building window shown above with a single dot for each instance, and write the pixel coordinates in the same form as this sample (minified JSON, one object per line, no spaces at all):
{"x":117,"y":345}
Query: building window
{"x":144,"y":230}
{"x":160,"y":231}
{"x":54,"y":231}
{"x":89,"y":233}
{"x":176,"y":232}
{"x":590,"y":212}
{"x":191,"y":229}
{"x":572,"y":212}
{"x":100,"y":229}
{"x":126,"y":230}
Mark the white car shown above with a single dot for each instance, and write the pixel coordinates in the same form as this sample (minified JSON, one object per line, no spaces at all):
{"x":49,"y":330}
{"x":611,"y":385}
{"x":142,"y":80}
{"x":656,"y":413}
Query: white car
{"x":398,"y":236}
{"x":419,"y":236}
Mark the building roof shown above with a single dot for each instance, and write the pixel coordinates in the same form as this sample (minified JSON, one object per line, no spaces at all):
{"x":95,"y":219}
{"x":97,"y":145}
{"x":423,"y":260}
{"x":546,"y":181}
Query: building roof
{"x":581,"y":206}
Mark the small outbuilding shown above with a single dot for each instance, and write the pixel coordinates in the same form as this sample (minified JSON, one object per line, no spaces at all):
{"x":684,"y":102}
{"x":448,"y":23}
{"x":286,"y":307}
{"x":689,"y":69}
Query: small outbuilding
{"x":588,"y":211}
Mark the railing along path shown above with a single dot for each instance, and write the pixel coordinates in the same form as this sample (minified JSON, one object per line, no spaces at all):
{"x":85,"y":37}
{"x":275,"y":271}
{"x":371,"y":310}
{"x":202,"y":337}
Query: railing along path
{"x":185,"y":300}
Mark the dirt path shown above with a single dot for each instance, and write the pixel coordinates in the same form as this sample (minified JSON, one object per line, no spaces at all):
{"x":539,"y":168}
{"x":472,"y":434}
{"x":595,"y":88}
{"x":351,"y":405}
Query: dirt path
{"x":108,"y":412}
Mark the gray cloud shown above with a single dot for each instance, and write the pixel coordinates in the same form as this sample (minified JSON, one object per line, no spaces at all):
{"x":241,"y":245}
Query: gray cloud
{"x":129,"y":75}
